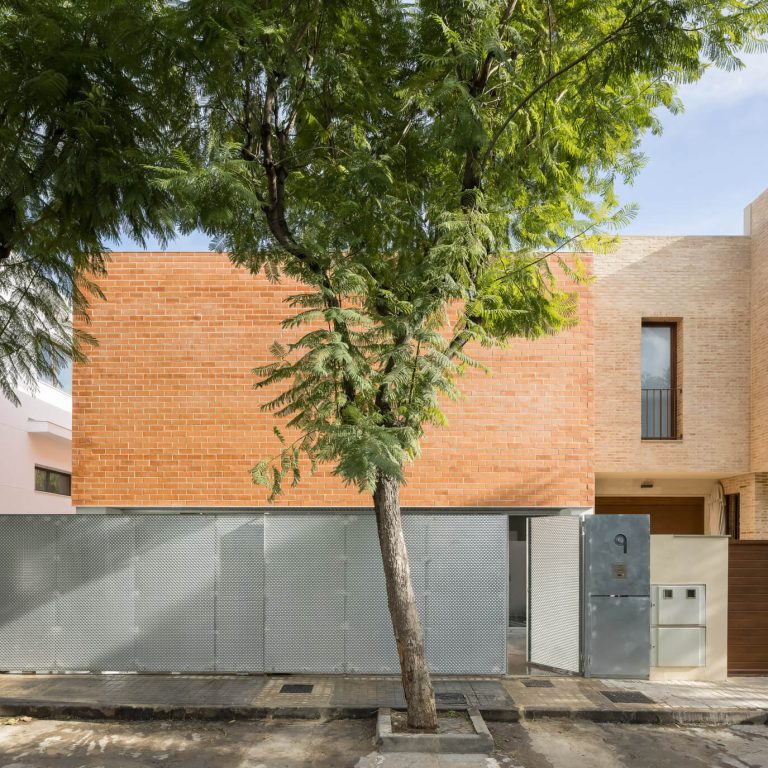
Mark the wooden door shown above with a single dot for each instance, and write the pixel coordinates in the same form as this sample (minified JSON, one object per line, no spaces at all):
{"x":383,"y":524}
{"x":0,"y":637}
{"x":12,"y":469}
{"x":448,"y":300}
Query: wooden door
{"x":748,"y":608}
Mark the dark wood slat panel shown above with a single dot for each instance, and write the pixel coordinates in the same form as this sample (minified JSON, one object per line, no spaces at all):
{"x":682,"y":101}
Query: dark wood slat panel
{"x":748,"y":608}
{"x":745,"y":619}
{"x":745,"y":671}
{"x":669,"y":514}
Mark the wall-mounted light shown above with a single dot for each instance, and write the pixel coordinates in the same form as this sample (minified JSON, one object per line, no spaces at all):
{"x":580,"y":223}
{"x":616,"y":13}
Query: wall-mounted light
{"x":646,"y":483}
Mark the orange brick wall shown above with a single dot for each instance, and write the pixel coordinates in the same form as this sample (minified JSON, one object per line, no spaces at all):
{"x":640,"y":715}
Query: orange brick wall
{"x":165,"y":413}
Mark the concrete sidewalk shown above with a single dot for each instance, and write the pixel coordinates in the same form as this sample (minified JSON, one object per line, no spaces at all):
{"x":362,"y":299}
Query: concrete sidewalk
{"x":740,"y":700}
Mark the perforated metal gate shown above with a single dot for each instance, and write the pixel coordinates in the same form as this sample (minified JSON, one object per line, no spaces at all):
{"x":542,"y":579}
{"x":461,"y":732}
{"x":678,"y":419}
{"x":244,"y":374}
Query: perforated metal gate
{"x":244,"y":593}
{"x":326,"y":603}
{"x":554,"y":592}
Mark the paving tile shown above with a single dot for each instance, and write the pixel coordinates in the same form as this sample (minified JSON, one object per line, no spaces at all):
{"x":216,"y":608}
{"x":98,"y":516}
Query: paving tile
{"x":370,"y":692}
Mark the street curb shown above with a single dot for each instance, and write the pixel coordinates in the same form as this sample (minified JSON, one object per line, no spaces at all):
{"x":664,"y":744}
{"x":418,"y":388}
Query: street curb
{"x":99,"y":711}
{"x":681,"y":716}
{"x":96,"y":711}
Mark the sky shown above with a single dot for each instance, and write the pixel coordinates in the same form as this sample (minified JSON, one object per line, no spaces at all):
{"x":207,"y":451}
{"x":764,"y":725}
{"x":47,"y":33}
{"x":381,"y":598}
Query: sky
{"x":709,"y":163}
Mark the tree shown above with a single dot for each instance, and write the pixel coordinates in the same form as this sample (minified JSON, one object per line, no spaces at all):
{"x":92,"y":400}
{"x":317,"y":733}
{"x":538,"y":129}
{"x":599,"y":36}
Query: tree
{"x":90,"y":93}
{"x":417,"y":166}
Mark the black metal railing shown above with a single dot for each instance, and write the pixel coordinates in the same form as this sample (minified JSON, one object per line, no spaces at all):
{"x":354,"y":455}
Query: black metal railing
{"x":659,"y":414}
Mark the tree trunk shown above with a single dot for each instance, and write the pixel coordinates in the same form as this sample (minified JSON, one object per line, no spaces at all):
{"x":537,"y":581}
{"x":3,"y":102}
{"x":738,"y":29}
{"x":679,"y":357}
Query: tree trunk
{"x":417,"y":686}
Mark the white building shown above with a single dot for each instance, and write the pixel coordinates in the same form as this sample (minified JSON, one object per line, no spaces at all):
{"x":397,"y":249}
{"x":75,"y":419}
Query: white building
{"x":36,"y":450}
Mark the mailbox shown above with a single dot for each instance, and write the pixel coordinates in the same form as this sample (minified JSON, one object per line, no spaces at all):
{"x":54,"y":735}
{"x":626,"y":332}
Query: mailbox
{"x":679,"y":605}
{"x":678,"y":618}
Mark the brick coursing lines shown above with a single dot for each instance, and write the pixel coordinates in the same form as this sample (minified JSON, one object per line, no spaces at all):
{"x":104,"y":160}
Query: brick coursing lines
{"x":165,"y":412}
{"x":705,"y":282}
{"x":759,"y":231}
{"x":753,"y":486}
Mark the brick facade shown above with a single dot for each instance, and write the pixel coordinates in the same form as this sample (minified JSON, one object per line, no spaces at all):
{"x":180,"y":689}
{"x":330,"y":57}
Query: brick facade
{"x":166,"y":414}
{"x":753,"y":503}
{"x":758,"y":216}
{"x":716,"y":290}
{"x":704,"y":284}
{"x":752,"y":486}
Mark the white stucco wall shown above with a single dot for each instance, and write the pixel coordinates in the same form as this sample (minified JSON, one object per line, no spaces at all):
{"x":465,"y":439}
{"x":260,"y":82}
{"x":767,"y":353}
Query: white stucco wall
{"x":50,"y":411}
{"x":684,"y":560}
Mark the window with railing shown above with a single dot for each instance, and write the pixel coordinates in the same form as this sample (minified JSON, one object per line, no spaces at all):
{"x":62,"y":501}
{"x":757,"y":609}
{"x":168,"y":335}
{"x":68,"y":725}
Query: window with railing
{"x":660,"y":395}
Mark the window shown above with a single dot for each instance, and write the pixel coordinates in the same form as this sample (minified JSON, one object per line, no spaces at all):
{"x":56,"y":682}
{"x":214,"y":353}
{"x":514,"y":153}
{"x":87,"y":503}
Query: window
{"x":732,"y":512}
{"x":658,"y":381}
{"x":52,"y":481}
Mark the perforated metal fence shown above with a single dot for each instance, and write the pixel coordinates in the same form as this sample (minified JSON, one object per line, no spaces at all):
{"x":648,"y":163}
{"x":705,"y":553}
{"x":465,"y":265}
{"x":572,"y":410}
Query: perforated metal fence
{"x":244,"y":593}
{"x":158,"y":593}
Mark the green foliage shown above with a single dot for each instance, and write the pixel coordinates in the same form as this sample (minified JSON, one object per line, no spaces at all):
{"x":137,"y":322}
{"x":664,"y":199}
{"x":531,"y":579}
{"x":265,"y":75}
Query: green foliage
{"x":36,"y":335}
{"x":419,"y":167}
{"x":90,"y":93}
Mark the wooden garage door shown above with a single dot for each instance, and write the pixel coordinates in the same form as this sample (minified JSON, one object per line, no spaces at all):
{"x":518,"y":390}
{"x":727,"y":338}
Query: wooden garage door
{"x":669,"y":514}
{"x":748,"y":608}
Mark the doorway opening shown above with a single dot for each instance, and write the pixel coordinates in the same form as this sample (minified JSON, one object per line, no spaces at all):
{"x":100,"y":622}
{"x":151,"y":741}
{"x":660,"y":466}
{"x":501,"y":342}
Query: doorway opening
{"x":517,"y":626}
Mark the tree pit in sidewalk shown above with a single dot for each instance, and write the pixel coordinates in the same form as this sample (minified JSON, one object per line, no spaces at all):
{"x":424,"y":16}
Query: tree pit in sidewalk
{"x":448,"y":721}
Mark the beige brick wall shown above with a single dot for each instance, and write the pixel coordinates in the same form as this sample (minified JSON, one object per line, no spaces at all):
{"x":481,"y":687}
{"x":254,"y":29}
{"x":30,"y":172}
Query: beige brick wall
{"x":705,"y":283}
{"x":760,"y":529}
{"x":759,"y":231}
{"x":753,"y":503}
{"x":744,"y":485}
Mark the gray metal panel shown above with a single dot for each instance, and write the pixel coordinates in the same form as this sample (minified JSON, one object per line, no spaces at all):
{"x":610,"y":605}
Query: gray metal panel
{"x":304,"y":594}
{"x":467,"y":561}
{"x":28,"y":604}
{"x":608,"y":568}
{"x":617,"y":637}
{"x":174,"y":569}
{"x":95,"y":586}
{"x":186,"y":593}
{"x":554,"y":597}
{"x":370,"y":642}
{"x":240,"y":594}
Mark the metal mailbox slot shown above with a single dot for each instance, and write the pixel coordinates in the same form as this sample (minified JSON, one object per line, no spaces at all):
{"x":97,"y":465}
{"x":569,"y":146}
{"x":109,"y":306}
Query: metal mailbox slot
{"x":679,"y":618}
{"x":679,"y":604}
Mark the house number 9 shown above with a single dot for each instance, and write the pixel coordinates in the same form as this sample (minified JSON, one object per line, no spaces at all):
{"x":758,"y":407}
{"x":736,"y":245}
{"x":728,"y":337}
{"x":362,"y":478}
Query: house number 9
{"x":620,"y":540}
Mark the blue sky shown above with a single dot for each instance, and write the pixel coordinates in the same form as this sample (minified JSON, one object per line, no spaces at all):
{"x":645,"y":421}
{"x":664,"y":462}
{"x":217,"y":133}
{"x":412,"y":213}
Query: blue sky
{"x":711,"y":161}
{"x":708,"y":164}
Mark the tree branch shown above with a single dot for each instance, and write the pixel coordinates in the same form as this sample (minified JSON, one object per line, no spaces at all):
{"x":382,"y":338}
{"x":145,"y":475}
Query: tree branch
{"x":559,"y":73}
{"x":274,"y":211}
